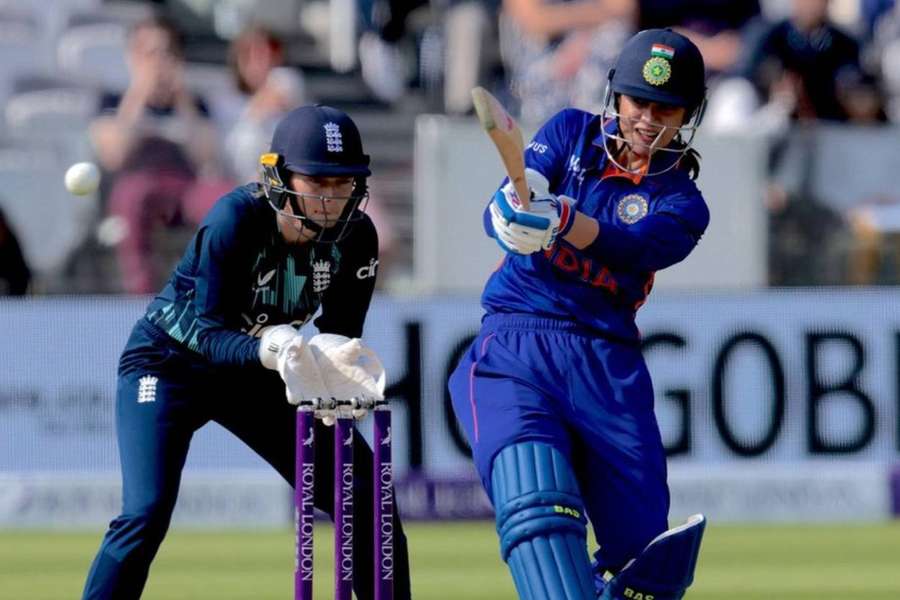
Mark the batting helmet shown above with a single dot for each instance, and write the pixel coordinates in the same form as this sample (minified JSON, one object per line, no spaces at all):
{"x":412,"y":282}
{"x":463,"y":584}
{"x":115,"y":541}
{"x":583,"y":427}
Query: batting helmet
{"x":660,"y":65}
{"x":317,"y":141}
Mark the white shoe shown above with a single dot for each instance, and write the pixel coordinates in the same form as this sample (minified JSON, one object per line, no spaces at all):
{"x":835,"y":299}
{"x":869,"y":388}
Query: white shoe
{"x":382,"y":67}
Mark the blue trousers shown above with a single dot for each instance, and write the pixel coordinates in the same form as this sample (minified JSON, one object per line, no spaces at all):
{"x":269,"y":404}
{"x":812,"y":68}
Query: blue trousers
{"x":154,"y":432}
{"x":528,"y":378}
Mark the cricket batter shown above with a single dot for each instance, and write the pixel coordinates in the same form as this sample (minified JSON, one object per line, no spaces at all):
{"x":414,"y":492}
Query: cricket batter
{"x":554,"y":394}
{"x":213,"y":343}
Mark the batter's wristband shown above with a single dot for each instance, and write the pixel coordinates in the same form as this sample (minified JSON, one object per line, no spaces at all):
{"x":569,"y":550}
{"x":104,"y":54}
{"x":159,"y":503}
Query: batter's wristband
{"x":566,"y":216}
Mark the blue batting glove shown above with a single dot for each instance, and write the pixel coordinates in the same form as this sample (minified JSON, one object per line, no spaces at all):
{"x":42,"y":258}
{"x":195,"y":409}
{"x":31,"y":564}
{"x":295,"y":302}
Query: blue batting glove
{"x":527,"y":231}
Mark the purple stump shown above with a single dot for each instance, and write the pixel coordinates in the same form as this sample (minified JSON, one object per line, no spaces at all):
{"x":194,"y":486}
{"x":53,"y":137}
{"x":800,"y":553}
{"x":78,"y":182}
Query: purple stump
{"x":304,"y":482}
{"x":343,"y":506}
{"x":384,"y":506}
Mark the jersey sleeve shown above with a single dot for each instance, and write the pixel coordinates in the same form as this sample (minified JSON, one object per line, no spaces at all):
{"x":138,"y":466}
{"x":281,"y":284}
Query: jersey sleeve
{"x":547,"y":151}
{"x":221,"y":250}
{"x":662,"y":238}
{"x":347,"y":299}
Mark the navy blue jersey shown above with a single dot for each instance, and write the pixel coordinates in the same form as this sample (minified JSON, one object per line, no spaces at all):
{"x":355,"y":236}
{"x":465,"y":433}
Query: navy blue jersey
{"x":646,"y":224}
{"x":238,"y":276}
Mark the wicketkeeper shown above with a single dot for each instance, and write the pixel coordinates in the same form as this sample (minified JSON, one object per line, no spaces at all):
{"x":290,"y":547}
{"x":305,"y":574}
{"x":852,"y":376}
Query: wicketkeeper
{"x":554,"y":394}
{"x":220,"y":343}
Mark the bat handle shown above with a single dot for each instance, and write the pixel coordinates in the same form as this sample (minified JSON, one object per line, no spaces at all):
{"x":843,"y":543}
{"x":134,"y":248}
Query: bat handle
{"x":520,"y":184}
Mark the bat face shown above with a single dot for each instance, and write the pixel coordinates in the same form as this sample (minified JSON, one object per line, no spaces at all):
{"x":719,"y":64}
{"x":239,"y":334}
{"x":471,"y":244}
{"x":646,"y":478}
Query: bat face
{"x":507,"y":137}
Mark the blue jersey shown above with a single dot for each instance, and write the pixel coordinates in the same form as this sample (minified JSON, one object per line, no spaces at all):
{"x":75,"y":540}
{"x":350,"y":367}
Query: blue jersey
{"x":238,"y":275}
{"x":645,"y":224}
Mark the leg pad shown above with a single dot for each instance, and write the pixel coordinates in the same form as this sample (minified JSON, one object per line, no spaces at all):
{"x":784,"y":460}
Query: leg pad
{"x":665,"y":569}
{"x":541,"y":523}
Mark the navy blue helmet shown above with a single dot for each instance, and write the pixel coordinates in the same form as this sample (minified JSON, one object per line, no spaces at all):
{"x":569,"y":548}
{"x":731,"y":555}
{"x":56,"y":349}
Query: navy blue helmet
{"x":317,"y":141}
{"x":659,"y":65}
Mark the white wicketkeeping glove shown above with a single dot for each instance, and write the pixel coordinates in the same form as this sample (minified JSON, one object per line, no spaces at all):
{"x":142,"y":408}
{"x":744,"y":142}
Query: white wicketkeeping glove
{"x":272,"y":343}
{"x":300,"y":372}
{"x":528,"y":231}
{"x":349,"y":369}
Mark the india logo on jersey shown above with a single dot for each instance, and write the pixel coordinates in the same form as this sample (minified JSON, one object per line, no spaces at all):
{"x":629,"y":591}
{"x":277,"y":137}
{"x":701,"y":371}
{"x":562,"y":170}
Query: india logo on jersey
{"x":321,"y":278}
{"x":632,"y":208}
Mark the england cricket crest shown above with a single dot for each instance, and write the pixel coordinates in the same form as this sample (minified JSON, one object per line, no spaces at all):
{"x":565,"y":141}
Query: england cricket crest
{"x":632,"y":208}
{"x":321,"y":278}
{"x":147,"y":389}
{"x":333,"y":139}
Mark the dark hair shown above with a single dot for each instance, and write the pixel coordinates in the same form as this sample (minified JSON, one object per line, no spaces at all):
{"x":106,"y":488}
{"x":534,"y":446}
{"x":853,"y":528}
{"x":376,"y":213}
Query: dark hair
{"x":159,"y":21}
{"x":690,"y":162}
{"x":276,"y":45}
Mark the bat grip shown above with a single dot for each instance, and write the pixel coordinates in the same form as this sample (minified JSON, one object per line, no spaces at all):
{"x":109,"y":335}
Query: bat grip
{"x":520,"y":184}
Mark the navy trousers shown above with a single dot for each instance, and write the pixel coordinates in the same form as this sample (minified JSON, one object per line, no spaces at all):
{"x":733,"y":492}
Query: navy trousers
{"x":165,"y":393}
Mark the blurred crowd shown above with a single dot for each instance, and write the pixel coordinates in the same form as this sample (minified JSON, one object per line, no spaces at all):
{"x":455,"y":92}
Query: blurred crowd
{"x":176,"y":99}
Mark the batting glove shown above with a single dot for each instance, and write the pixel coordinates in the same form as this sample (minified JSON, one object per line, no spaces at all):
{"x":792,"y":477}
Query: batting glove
{"x":527,"y":231}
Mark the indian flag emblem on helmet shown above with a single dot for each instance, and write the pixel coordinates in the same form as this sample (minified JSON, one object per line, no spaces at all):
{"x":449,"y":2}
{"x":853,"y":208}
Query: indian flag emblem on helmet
{"x":632,"y":208}
{"x":662,"y":51}
{"x":657,"y":70}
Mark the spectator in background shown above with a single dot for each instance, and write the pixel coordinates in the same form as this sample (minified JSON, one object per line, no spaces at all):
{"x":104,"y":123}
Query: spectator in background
{"x":861,"y":96}
{"x":798,"y":61}
{"x":14,"y":272}
{"x":871,"y":12}
{"x":715,"y":26}
{"x":558,"y":54}
{"x":883,"y":57}
{"x":266,"y":91}
{"x":159,"y":148}
{"x":383,"y":66}
{"x":451,"y":53}
{"x":799,"y":68}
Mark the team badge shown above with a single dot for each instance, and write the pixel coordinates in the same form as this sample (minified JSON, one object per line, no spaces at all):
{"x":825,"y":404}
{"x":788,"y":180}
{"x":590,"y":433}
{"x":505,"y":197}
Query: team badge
{"x":334,"y":141}
{"x":666,"y":52}
{"x":147,"y":389}
{"x":632,"y":208}
{"x":321,"y":277}
{"x":657,"y":70}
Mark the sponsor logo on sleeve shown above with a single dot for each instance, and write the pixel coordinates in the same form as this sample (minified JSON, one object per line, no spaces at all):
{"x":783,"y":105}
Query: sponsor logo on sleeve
{"x":367,"y":271}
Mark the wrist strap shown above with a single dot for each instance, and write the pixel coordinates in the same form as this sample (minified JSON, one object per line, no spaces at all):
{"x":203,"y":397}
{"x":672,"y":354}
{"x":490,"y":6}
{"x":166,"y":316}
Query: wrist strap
{"x":566,"y":216}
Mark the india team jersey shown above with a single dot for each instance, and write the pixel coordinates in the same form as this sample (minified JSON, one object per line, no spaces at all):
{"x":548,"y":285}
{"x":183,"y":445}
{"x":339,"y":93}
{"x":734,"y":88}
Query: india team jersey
{"x":238,"y":276}
{"x":646,"y":224}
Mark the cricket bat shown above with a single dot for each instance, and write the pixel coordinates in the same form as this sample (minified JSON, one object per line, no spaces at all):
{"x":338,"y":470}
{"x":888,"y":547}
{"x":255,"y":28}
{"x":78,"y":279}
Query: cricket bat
{"x":507,"y":137}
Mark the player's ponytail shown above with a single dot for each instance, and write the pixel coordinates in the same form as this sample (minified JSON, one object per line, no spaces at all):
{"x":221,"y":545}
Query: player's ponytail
{"x":690,"y":162}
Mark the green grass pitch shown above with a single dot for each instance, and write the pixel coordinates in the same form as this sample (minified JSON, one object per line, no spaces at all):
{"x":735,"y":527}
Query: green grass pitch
{"x":460,"y":560}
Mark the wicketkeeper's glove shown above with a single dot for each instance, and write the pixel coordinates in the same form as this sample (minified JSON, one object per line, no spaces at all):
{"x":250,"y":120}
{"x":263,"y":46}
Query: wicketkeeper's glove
{"x":349,"y":369}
